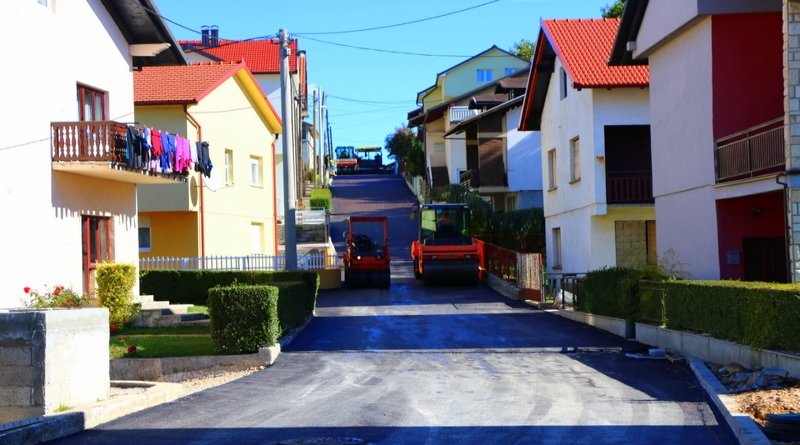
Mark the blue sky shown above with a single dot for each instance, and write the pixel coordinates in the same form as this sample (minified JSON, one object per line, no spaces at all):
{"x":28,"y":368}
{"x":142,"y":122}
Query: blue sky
{"x":371,"y":92}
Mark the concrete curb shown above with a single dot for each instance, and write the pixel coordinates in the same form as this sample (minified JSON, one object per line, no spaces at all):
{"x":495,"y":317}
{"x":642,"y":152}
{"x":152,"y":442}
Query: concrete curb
{"x":745,"y":428}
{"x":53,"y":426}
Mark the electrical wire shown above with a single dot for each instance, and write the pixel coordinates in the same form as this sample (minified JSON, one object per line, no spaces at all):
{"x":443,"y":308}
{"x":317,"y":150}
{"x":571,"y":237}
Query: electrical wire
{"x":406,"y":53}
{"x":50,"y":136}
{"x":370,"y":101}
{"x":398,"y":24}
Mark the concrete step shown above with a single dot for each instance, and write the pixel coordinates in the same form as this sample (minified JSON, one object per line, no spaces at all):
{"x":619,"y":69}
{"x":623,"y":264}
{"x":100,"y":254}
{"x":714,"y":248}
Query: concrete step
{"x":193,"y":317}
{"x":155,"y":304}
{"x":175,"y":309}
{"x":143,"y":299}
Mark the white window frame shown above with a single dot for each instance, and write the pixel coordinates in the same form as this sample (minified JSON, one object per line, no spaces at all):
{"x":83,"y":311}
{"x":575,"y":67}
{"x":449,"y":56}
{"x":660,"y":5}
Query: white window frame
{"x":485,"y":75}
{"x":228,"y":167}
{"x":575,"y":159}
{"x":557,"y":260}
{"x":145,"y":229}
{"x":564,"y":83}
{"x":552,"y":170}
{"x":256,"y":238}
{"x":256,"y":175}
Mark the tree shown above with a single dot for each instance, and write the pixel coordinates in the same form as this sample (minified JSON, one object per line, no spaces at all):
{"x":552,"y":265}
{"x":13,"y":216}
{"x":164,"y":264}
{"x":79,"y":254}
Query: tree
{"x":404,"y":146}
{"x":523,"y":49}
{"x":613,"y":11}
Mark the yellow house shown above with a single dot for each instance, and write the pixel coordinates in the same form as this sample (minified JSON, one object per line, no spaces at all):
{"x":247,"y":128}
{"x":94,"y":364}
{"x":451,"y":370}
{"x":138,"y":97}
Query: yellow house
{"x":232,"y":209}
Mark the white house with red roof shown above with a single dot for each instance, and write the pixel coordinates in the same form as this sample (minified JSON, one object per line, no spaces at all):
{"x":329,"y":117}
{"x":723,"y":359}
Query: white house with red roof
{"x":718,"y":103}
{"x":67,"y":193}
{"x":232,"y":211}
{"x":595,"y":138}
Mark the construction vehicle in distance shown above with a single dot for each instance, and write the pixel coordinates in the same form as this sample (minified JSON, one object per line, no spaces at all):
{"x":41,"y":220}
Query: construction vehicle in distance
{"x":366,"y":256}
{"x":346,"y":160}
{"x":370,"y":160}
{"x":444,"y":252}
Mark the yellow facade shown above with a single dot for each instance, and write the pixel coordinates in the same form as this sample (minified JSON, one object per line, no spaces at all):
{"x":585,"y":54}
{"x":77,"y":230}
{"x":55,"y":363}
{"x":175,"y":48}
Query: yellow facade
{"x":229,"y":216}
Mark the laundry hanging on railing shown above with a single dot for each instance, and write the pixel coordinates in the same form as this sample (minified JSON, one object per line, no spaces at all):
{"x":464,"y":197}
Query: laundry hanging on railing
{"x":162,"y":152}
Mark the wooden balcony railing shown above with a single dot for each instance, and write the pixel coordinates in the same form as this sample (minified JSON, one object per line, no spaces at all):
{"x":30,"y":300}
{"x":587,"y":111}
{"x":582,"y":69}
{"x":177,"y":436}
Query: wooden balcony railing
{"x":471,"y":179}
{"x":629,"y":187}
{"x":102,"y":141}
{"x":757,"y":150}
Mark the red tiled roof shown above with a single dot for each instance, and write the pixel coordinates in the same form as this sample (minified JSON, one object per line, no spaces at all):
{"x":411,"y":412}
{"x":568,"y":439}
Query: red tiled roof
{"x":180,"y":84}
{"x":261,"y":56}
{"x":584,"y":46}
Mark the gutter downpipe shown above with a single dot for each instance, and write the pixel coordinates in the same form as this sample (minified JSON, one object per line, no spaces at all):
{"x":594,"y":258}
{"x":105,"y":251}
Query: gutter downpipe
{"x":202,"y":207}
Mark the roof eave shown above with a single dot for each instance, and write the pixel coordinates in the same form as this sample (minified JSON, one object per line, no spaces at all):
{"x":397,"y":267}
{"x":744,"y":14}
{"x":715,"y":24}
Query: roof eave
{"x":629,"y":26}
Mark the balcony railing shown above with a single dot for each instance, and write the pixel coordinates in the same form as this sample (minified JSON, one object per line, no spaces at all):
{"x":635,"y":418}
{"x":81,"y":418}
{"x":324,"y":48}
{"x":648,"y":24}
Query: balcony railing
{"x":751,"y":152}
{"x":629,"y":187}
{"x":89,"y":141}
{"x":471,"y":179}
{"x":458,"y":114}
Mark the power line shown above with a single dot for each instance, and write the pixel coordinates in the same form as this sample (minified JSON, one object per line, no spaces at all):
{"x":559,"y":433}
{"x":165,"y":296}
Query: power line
{"x":399,"y":24}
{"x":407,"y":53}
{"x":50,"y":136}
{"x":370,"y":101}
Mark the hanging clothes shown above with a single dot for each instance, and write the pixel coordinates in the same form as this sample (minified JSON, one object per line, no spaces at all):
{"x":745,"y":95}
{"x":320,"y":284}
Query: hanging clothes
{"x":156,"y":151}
{"x":204,"y":164}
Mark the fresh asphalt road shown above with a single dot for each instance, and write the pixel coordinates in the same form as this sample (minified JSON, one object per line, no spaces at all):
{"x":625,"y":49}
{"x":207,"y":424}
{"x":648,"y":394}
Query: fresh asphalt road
{"x":446,"y":365}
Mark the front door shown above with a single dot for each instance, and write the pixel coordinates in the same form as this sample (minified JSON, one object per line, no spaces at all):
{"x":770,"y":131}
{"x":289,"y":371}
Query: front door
{"x":96,"y":241}
{"x":765,"y":259}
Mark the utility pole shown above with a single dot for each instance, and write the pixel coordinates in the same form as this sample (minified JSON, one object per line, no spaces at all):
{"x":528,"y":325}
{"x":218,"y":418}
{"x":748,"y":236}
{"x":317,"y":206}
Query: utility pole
{"x":317,"y":146}
{"x":289,"y":169}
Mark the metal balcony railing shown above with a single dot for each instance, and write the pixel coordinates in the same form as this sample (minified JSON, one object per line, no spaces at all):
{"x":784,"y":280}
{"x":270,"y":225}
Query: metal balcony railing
{"x":458,"y":114}
{"x":629,"y":187}
{"x":751,"y":152}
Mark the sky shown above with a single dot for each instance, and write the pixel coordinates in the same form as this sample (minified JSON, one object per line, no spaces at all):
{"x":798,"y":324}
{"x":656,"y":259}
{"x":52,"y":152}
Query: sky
{"x":369,"y":93}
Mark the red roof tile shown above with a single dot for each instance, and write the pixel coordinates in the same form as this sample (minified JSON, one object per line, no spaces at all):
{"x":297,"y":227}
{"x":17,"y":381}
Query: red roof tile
{"x":261,"y":56}
{"x":180,"y":84}
{"x":584,"y":46}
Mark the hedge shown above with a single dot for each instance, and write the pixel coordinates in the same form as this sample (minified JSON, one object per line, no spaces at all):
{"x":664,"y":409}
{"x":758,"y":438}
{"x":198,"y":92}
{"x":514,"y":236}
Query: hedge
{"x":614,"y":292}
{"x":760,"y":315}
{"x":115,"y":282}
{"x":191,"y":286}
{"x":291,"y":304}
{"x":243,"y":318}
{"x":320,"y":198}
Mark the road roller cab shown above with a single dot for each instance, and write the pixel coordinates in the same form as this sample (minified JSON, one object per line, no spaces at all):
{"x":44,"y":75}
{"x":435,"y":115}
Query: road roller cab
{"x":366,"y":256}
{"x":444,"y":252}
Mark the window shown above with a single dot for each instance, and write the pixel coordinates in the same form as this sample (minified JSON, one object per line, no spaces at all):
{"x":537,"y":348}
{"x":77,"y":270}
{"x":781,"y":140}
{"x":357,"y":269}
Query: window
{"x":551,"y":169}
{"x":438,"y":146}
{"x":564,"y":83}
{"x":575,"y":160}
{"x":255,"y":171}
{"x":257,"y":238}
{"x":228,"y":167}
{"x":511,"y":203}
{"x":91,"y":104}
{"x":557,"y":248}
{"x":485,"y":76}
{"x":510,"y":71}
{"x":145,"y":243}
{"x":652,"y":251}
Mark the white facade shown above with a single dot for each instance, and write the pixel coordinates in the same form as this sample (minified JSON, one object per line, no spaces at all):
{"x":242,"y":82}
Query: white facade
{"x":524,"y":154}
{"x":578,"y":208}
{"x":57,"y":47}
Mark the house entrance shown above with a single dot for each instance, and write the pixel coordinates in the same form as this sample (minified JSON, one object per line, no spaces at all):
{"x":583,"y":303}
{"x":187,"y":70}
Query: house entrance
{"x":765,"y":259}
{"x":96,"y":242}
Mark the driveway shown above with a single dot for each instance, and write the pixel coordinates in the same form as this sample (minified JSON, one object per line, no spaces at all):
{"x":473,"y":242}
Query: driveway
{"x":446,"y":365}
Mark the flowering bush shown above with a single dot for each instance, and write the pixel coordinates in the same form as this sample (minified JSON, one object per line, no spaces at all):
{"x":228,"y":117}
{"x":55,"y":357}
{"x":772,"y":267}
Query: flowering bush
{"x":119,"y":348}
{"x":60,"y":297}
{"x":113,"y":328}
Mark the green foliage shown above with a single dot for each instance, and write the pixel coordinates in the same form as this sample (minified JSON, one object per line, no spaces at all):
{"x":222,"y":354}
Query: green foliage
{"x":523,"y":49}
{"x":760,"y":315}
{"x":614,"y":292}
{"x":243,"y":318}
{"x":115,"y":283}
{"x":404,"y":146}
{"x":59,"y":297}
{"x":614,"y":10}
{"x":161,"y":346}
{"x":321,"y":198}
{"x":291,"y":304}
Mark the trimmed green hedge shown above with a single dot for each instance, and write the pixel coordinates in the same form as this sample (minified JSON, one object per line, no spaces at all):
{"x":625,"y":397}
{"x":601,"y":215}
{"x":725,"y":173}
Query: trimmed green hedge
{"x":191,"y":286}
{"x":243,"y":318}
{"x":760,"y":315}
{"x":320,"y":198}
{"x":614,"y":292}
{"x":291,"y":304}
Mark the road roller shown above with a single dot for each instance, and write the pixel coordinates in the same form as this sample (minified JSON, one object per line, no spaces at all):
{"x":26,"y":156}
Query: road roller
{"x":444,"y":252}
{"x":366,"y":256}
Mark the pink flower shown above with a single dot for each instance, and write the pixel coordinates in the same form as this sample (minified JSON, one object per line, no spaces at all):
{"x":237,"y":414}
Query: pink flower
{"x":131,"y":348}
{"x":27,"y":290}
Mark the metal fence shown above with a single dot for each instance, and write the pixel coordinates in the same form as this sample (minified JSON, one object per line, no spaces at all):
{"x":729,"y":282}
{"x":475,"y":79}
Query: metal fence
{"x":310,"y":216}
{"x":564,"y":288}
{"x":249,"y":262}
{"x":652,"y":301}
{"x":521,"y":269}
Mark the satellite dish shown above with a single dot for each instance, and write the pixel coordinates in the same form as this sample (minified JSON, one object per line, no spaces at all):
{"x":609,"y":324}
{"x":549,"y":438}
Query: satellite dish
{"x":214,"y":183}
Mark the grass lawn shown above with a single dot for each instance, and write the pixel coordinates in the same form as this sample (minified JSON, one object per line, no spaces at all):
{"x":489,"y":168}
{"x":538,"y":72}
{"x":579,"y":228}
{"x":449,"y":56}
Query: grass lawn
{"x":195,"y":309}
{"x":177,"y":330}
{"x":154,"y":346}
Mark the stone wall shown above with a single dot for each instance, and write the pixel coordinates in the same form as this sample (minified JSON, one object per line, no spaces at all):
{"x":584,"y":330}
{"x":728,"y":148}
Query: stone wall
{"x":631,"y":241}
{"x":52,"y":358}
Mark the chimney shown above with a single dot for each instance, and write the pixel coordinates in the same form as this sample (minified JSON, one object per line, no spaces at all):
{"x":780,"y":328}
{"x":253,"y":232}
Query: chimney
{"x":214,"y":35}
{"x":204,"y":35}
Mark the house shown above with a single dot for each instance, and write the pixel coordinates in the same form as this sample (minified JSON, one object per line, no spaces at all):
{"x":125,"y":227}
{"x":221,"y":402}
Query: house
{"x":446,"y":102}
{"x":68,"y":196}
{"x":263,"y":58}
{"x":721,"y":103}
{"x":595,"y":137}
{"x":232,"y":212}
{"x":504,"y":165}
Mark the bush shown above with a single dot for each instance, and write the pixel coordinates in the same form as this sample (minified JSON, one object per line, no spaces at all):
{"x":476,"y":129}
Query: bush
{"x":243,"y":318}
{"x":614,"y":292}
{"x":115,"y":290}
{"x":320,"y":198}
{"x":291,"y":304}
{"x":760,"y":315}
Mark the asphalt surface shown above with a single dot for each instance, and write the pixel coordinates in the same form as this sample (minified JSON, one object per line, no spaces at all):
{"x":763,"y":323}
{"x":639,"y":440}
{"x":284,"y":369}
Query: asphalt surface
{"x":444,"y":365}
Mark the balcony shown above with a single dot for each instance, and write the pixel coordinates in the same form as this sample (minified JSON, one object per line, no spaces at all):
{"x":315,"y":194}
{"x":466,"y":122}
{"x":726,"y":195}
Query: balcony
{"x":99,"y":149}
{"x":629,"y":187}
{"x":471,"y":179}
{"x":753,"y":152}
{"x":458,"y":114}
